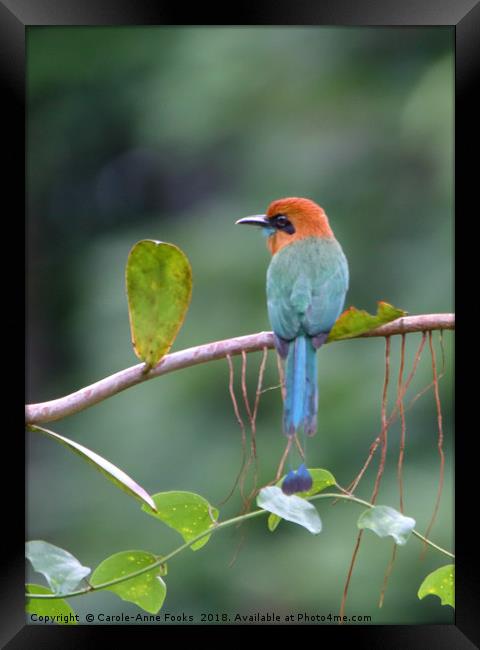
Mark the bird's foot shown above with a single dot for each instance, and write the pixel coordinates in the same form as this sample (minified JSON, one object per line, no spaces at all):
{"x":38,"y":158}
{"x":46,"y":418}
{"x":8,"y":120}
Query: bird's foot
{"x":281,"y":345}
{"x":319,"y":339}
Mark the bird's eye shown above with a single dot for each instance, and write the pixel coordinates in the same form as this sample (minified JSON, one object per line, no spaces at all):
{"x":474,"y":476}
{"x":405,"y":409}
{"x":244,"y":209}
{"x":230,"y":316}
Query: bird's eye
{"x":281,"y":220}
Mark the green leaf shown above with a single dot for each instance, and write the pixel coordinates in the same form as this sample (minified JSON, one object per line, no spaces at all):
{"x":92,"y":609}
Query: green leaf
{"x":57,"y":610}
{"x":186,"y":512}
{"x":61,"y":569}
{"x":147,"y":590}
{"x":385,"y":521}
{"x":108,"y":469}
{"x":322,"y":479}
{"x":159,"y":288}
{"x":354,"y":322}
{"x":441,"y":583}
{"x":292,"y":508}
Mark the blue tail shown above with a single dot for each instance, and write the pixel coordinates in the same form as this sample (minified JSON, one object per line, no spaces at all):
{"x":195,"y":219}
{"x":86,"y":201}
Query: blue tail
{"x":301,"y":402}
{"x":310,"y":407}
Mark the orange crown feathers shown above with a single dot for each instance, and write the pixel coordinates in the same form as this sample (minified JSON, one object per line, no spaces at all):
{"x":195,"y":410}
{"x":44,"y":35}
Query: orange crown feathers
{"x":308,"y":218}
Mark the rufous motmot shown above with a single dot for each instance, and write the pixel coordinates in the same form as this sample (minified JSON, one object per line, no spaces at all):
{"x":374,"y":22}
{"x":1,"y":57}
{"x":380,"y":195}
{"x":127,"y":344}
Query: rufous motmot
{"x":307,"y":281}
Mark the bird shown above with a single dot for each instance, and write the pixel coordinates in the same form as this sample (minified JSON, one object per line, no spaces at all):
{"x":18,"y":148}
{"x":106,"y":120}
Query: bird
{"x":307,"y":282}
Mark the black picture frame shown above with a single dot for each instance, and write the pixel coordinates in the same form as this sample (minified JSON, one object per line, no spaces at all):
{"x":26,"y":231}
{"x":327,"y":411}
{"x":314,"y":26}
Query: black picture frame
{"x":15,"y":17}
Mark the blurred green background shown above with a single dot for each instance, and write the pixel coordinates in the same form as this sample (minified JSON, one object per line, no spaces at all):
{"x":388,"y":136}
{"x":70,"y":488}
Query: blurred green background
{"x":173,"y":134}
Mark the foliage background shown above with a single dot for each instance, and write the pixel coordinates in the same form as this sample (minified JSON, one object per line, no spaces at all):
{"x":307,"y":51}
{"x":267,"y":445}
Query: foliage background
{"x":173,"y":134}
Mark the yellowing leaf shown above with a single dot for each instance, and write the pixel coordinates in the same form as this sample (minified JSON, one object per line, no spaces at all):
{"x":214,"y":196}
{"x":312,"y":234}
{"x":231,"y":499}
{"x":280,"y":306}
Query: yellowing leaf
{"x":441,"y":583}
{"x":56,"y":610}
{"x":147,"y":590}
{"x":354,"y":322}
{"x":186,"y":512}
{"x":159,"y":288}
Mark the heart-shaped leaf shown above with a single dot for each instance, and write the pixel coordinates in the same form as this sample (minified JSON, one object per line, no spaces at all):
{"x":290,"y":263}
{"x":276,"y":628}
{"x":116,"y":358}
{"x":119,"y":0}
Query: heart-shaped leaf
{"x":108,"y":469}
{"x":57,"y":610}
{"x":354,"y":322}
{"x":322,"y":479}
{"x":147,"y":590}
{"x":186,"y":512}
{"x":441,"y":583}
{"x":292,"y":508}
{"x":384,"y":521}
{"x":61,"y":569}
{"x":159,"y":288}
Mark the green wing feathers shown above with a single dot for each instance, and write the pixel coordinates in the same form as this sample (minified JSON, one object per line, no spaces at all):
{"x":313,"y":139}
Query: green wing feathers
{"x":306,"y":286}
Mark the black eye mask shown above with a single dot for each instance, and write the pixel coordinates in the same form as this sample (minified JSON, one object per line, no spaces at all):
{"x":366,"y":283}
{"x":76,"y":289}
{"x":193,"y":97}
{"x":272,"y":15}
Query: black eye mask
{"x":282,"y":223}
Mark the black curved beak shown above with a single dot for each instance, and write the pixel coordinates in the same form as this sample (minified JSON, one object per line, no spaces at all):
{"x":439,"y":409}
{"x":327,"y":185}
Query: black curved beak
{"x":256,"y":220}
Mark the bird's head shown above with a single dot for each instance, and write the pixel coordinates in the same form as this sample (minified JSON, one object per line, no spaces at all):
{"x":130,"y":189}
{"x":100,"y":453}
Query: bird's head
{"x":290,"y":219}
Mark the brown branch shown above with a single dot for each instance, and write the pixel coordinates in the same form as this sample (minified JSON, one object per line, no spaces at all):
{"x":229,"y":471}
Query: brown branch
{"x":440,"y":376}
{"x":241,"y":476}
{"x":387,"y":575}
{"x":259,"y":391}
{"x":90,"y":395}
{"x":373,"y":447}
{"x":350,"y":572}
{"x":401,"y":453}
{"x":380,"y":470}
{"x":384,"y":438}
{"x":281,"y":465}
{"x":258,"y":394}
{"x":252,"y":453}
{"x":236,"y":410}
{"x":440,"y":439}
